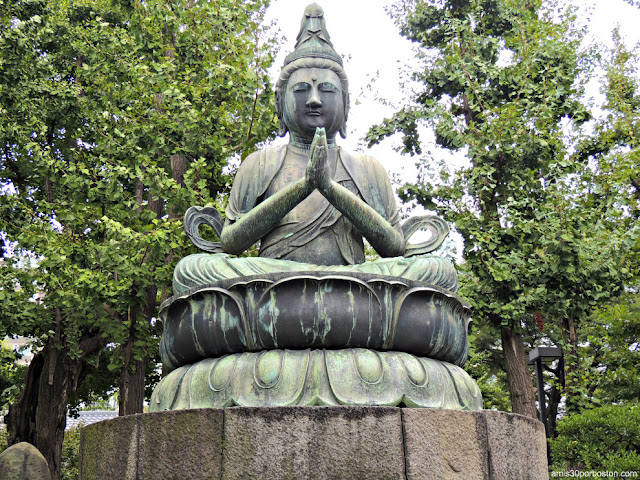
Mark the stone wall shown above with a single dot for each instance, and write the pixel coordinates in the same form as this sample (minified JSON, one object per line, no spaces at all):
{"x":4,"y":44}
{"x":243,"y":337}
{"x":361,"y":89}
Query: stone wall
{"x":308,"y":443}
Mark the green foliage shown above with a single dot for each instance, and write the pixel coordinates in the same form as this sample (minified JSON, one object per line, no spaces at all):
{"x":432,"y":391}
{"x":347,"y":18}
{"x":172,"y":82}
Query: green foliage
{"x":501,"y":84}
{"x":500,"y":79}
{"x":71,"y":454}
{"x":490,"y":378}
{"x":612,"y":151}
{"x":610,"y":353}
{"x":4,"y":436}
{"x":11,"y":375}
{"x":117,"y":116}
{"x":602,"y":439}
{"x":609,"y":190}
{"x":485,"y":363}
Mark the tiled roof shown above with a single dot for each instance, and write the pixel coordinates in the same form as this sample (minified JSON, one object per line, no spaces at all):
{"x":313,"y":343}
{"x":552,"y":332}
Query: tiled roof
{"x":88,"y":417}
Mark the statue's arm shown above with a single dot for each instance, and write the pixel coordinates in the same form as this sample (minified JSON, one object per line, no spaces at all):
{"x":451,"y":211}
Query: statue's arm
{"x":238,"y":236}
{"x":383,"y":237}
{"x":387,"y":240}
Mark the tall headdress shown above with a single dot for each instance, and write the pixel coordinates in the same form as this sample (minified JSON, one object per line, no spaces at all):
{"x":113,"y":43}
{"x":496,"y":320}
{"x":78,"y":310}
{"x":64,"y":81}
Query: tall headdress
{"x":313,"y":49}
{"x":313,"y":40}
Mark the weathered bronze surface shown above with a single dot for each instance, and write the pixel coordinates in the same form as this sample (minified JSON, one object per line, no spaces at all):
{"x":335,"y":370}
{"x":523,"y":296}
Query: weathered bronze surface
{"x":314,"y":310}
{"x":309,"y":322}
{"x":317,"y":377}
{"x":196,"y":271}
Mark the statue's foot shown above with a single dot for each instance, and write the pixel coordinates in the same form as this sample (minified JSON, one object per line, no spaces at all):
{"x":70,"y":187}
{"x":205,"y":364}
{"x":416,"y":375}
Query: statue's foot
{"x":357,"y":377}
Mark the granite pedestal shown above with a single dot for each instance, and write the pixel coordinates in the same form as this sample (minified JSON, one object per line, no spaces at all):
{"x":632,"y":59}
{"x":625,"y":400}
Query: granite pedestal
{"x":309,"y":443}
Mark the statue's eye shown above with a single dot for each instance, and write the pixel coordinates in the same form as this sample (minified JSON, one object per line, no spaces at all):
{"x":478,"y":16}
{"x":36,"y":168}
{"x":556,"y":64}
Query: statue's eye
{"x":328,"y":87}
{"x":301,"y":87}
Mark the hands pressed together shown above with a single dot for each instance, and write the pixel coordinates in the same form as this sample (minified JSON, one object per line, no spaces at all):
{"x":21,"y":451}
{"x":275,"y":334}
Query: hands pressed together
{"x":387,"y":240}
{"x":318,"y":174}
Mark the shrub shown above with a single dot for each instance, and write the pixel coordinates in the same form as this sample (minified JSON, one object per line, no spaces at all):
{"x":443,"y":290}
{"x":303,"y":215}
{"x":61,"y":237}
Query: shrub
{"x":4,"y":435}
{"x":601,"y":439}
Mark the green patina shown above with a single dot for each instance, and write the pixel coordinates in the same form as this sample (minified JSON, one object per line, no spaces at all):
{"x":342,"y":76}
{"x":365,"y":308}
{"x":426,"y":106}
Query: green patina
{"x":309,"y":321}
{"x":320,"y":377}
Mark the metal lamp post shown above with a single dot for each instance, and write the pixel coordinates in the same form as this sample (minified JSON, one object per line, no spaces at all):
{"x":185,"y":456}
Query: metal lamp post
{"x":536,"y":357}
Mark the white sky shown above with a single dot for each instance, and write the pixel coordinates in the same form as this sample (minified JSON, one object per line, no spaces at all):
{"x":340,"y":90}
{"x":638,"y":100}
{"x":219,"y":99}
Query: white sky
{"x":366,"y":36}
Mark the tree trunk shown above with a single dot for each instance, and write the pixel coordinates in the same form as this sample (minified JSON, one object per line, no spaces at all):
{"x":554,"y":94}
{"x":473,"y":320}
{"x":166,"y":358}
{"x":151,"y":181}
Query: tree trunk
{"x":131,"y":394}
{"x":555,"y":396}
{"x":521,"y":389}
{"x":178,"y":168}
{"x":39,"y":416}
{"x":58,"y":381}
{"x":132,"y":375}
{"x":132,"y":385}
{"x":21,"y":418}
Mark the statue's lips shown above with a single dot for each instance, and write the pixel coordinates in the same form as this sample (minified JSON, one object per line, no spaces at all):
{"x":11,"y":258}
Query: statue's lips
{"x":314,"y":113}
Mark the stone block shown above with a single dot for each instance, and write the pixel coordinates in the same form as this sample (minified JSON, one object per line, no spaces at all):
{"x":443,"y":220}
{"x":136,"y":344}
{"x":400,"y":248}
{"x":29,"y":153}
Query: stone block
{"x":517,"y":447}
{"x":445,"y":445}
{"x":180,"y":445}
{"x":189,"y":438}
{"x":341,"y":443}
{"x":110,"y":449}
{"x":23,"y":461}
{"x":315,"y":443}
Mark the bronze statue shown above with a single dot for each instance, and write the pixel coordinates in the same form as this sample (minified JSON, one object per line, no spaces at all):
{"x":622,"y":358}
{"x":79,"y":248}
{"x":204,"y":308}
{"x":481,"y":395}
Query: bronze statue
{"x":309,"y":321}
{"x":311,"y":202}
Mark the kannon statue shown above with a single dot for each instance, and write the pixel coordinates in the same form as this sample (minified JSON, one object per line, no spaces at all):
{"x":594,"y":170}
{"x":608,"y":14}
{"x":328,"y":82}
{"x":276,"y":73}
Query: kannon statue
{"x":310,"y":202}
{"x":309,"y":321}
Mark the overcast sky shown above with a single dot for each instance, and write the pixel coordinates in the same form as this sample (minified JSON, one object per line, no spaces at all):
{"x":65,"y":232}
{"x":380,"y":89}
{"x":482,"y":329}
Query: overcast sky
{"x":366,"y":36}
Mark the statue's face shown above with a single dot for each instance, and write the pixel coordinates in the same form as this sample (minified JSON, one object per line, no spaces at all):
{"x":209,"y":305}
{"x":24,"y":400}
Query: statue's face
{"x":313,"y":99}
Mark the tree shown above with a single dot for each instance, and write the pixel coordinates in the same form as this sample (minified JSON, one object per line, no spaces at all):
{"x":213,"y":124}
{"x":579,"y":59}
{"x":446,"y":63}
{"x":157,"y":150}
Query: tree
{"x":501,"y":81}
{"x":611,"y":194}
{"x":116,"y":117}
{"x":610,"y":353}
{"x":612,"y":149}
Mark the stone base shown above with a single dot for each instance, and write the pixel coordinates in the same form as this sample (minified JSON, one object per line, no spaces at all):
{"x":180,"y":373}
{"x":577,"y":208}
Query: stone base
{"x":308,"y":443}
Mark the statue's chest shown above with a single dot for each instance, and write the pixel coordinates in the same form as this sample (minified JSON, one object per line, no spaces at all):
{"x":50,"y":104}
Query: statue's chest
{"x":290,"y":172}
{"x":293,"y":169}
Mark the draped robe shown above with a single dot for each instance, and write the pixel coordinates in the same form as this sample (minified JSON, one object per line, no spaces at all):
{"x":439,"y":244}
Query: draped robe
{"x":314,"y":236}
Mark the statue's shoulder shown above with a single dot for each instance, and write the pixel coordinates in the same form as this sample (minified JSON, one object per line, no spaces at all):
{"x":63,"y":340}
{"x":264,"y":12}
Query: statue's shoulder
{"x":363,"y":166}
{"x":261,"y":159}
{"x":256,"y":173}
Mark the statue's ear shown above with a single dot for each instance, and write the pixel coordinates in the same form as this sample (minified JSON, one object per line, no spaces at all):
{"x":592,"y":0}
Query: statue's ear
{"x":282,"y":128}
{"x":343,"y":127}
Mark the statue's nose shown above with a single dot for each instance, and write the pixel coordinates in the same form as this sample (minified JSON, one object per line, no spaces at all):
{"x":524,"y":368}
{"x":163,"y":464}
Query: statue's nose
{"x":314,"y":100}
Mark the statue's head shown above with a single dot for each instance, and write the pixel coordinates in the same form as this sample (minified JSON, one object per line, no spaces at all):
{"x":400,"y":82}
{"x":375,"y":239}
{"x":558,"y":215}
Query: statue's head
{"x":313,"y":90}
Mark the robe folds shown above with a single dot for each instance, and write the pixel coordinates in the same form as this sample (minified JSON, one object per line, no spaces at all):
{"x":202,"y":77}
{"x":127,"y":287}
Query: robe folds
{"x":361,"y":174}
{"x":313,"y":226}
